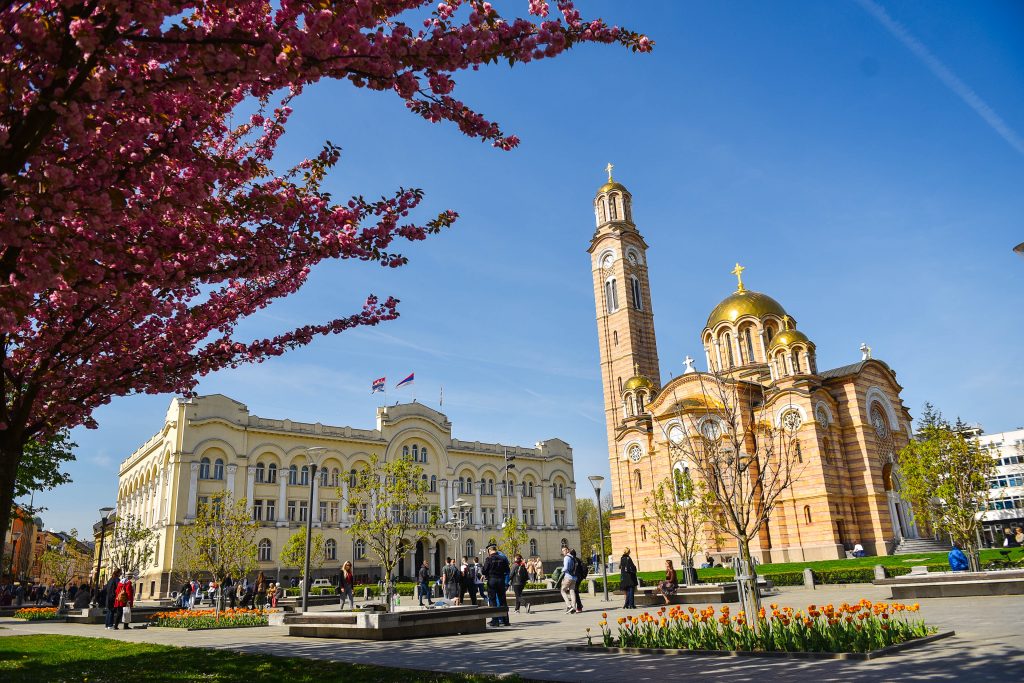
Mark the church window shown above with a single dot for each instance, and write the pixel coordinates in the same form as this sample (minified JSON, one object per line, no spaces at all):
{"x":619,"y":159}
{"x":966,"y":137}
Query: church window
{"x":727,"y":340}
{"x":629,"y":405}
{"x":749,"y":338}
{"x":600,"y":213}
{"x":796,"y":361}
{"x":807,"y":514}
{"x":620,"y":385}
{"x":611,"y":297}
{"x":769,"y":332}
{"x":639,"y":480}
{"x":799,"y":453}
{"x":639,"y":402}
{"x":791,"y":420}
{"x":615,"y":338}
{"x":627,"y":209}
{"x":638,"y":302}
{"x":643,"y":532}
{"x":612,"y":208}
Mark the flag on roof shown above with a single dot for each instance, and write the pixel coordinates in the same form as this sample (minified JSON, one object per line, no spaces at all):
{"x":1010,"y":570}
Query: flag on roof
{"x":378,"y":385}
{"x":407,"y":381}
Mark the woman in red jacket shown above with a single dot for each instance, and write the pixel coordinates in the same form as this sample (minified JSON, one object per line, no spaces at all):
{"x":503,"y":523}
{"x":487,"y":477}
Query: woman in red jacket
{"x":124,"y":600}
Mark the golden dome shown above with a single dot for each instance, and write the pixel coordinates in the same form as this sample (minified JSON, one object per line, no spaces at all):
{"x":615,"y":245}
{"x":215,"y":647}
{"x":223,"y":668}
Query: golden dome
{"x":638,"y":382}
{"x":612,"y":185}
{"x":787,"y":338}
{"x":743,"y":303}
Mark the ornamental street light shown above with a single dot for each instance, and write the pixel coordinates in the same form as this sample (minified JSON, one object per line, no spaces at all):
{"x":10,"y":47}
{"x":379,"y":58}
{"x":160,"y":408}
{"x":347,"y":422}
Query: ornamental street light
{"x":458,"y":518}
{"x":104,"y":520}
{"x":596,"y":480}
{"x":313,"y":455}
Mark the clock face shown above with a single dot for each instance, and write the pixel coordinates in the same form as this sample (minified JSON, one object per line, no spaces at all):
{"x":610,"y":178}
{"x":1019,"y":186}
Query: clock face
{"x":635,"y":453}
{"x":675,"y":435}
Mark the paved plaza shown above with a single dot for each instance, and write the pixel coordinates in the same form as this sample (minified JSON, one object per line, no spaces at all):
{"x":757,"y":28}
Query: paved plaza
{"x":988,"y":646}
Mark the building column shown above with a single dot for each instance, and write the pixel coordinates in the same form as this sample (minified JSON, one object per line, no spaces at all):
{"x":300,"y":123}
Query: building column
{"x":282,"y":498}
{"x":344,"y":501}
{"x":314,"y":513}
{"x":499,"y":510}
{"x":540,"y":503}
{"x":519,"y":502}
{"x":442,"y":488}
{"x":250,"y":486}
{"x":193,"y":490}
{"x":163,"y":486}
{"x":477,"y":513}
{"x":551,"y":507}
{"x":432,"y":547}
{"x":452,"y":494}
{"x":570,"y":508}
{"x":230,"y":486}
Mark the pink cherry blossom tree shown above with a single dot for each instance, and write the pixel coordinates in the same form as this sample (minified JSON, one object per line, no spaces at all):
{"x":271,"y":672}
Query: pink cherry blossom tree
{"x":139,"y":224}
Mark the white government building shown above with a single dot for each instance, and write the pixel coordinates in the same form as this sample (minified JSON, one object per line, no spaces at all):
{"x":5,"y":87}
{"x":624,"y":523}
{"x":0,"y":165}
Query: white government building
{"x":211,"y":443}
{"x":1006,"y":483}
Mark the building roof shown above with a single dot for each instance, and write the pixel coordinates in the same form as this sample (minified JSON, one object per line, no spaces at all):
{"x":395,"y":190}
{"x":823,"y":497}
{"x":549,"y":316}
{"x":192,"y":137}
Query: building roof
{"x":851,"y":369}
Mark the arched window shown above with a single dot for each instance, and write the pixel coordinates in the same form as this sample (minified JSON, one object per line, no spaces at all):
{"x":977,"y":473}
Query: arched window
{"x":529,"y":489}
{"x":727,"y":340}
{"x":360,"y":549}
{"x":643,"y":532}
{"x":769,"y":332}
{"x":796,"y":362}
{"x":204,"y":468}
{"x":423,"y":454}
{"x":304,"y":475}
{"x":331,"y":549}
{"x":799,"y":452}
{"x":611,"y":297}
{"x":620,"y":385}
{"x":490,"y":487}
{"x":335,"y":477}
{"x":613,"y":209}
{"x":470,"y":548}
{"x":293,"y":475}
{"x":807,"y":514}
{"x":272,"y":473}
{"x":639,"y":402}
{"x":323,"y":476}
{"x":638,"y":301}
{"x":749,"y":339}
{"x":218,"y":469}
{"x":533,"y":546}
{"x":352,"y":477}
{"x":638,"y":480}
{"x":615,"y":338}
{"x":264,"y":550}
{"x":629,"y":406}
{"x":261,"y":473}
{"x":433,"y":483}
{"x":600,"y":213}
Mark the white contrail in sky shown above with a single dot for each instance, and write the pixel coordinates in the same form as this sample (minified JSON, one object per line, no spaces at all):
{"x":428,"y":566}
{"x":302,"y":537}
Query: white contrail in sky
{"x":961,"y":89}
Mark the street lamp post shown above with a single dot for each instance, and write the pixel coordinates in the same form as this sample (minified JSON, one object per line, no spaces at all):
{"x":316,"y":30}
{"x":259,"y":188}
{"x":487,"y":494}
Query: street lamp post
{"x":457,"y":519}
{"x":313,"y":455}
{"x":596,"y":480}
{"x":105,"y":517}
{"x":15,"y":535}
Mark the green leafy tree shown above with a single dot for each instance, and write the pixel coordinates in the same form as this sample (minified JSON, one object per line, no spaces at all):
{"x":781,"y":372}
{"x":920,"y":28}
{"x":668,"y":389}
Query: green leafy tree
{"x":945,"y":475}
{"x":390,"y":499}
{"x":513,"y":536}
{"x":221,"y":540}
{"x":678,"y":514}
{"x":294,"y":552}
{"x":132,"y":545}
{"x":586,"y":520}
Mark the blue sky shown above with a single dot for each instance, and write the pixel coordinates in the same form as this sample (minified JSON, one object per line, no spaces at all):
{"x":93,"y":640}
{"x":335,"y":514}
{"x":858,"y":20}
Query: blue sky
{"x":864,"y":161}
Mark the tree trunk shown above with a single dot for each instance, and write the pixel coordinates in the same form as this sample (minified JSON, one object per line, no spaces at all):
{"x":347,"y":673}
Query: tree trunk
{"x":746,"y":580}
{"x":10,"y":458}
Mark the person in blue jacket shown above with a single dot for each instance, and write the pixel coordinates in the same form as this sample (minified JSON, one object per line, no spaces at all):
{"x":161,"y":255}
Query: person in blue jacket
{"x":957,"y":560}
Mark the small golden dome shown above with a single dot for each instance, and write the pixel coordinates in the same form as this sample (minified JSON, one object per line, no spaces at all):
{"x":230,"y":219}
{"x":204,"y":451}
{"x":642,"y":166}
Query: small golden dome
{"x":612,"y":185}
{"x":743,"y":303}
{"x":787,"y":338}
{"x":638,"y":382}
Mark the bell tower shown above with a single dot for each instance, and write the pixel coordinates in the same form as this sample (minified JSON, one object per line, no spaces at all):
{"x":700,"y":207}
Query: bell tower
{"x":625,"y":319}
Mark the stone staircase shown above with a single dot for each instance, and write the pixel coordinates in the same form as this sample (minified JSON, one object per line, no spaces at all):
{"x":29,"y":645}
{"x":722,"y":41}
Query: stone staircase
{"x":915,"y":546}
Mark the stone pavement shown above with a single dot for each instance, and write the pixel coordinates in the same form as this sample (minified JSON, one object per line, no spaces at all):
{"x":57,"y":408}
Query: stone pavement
{"x":988,"y":646}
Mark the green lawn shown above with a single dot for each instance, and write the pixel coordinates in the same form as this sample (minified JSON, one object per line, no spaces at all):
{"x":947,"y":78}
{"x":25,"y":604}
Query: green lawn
{"x":52,"y":659}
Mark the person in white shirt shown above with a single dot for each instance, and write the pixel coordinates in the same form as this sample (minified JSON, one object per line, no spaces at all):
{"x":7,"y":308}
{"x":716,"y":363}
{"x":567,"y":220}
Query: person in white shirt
{"x":568,"y":582}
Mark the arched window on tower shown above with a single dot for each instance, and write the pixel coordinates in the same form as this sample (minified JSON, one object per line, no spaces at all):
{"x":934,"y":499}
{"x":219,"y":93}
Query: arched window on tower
{"x":600,"y":213}
{"x":638,"y":301}
{"x":638,"y":480}
{"x":615,"y":338}
{"x":639,"y":402}
{"x":630,"y":411}
{"x":749,"y":339}
{"x":807,"y":514}
{"x":643,"y":532}
{"x":796,"y":362}
{"x":769,"y":332}
{"x":611,"y":297}
{"x":613,"y":209}
{"x":620,"y":385}
{"x":727,"y":340}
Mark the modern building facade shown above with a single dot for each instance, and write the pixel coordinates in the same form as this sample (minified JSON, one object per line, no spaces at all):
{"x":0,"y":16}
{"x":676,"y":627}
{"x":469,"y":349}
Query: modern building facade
{"x":212,"y":443}
{"x":1006,"y":495}
{"x":849,"y":421}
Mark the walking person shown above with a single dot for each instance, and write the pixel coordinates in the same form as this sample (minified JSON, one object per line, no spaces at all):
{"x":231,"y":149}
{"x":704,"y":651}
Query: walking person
{"x":495,"y":570}
{"x":481,"y":586}
{"x":261,"y":591}
{"x":450,"y":581}
{"x":124,"y":598}
{"x":581,"y":575}
{"x":670,"y":585}
{"x":531,"y":570}
{"x":567,"y":582}
{"x":423,"y":578}
{"x":347,"y":585}
{"x":628,"y":579}
{"x":469,"y":579}
{"x":463,"y":582}
{"x":518,"y":579}
{"x":108,"y":602}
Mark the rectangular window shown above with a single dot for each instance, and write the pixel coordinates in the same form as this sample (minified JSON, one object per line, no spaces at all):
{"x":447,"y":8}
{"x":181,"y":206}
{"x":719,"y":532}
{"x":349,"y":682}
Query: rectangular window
{"x":335,"y":511}
{"x":271,"y":511}
{"x":323,"y":511}
{"x":531,"y":517}
{"x":257,"y":510}
{"x":291,"y":510}
{"x":303,"y":511}
{"x":202,"y":500}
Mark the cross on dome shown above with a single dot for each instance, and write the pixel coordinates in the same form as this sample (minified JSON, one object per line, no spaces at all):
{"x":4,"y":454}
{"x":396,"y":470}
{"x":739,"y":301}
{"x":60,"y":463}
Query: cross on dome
{"x":738,"y":272}
{"x":609,"y":168}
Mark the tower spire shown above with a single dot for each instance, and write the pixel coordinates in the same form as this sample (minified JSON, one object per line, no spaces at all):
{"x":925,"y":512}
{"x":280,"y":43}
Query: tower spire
{"x":738,"y":272}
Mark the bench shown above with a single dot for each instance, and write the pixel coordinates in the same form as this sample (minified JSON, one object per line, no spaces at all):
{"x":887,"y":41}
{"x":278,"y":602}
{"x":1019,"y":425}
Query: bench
{"x":393,"y":625}
{"x":954,"y":584}
{"x":701,"y":594}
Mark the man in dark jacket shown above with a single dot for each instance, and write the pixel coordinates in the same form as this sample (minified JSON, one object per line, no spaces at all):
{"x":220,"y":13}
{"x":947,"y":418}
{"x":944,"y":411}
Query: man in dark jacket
{"x":495,"y":570}
{"x":423,"y":577}
{"x":109,"y":599}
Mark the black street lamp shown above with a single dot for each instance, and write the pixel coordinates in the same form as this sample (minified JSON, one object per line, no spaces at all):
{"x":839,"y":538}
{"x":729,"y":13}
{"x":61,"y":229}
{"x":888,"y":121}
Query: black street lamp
{"x":596,"y":480}
{"x":105,"y":512}
{"x":313,"y":455}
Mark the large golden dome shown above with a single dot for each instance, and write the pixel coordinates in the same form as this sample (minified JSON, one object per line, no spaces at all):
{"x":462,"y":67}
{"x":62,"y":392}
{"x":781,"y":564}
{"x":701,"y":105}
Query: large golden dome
{"x":638,"y":382}
{"x":743,"y":303}
{"x":788,"y":337}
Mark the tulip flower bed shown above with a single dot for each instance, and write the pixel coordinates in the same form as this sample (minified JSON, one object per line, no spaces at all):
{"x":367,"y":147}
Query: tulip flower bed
{"x":206,"y":618}
{"x":859,"y":628}
{"x":38,"y":613}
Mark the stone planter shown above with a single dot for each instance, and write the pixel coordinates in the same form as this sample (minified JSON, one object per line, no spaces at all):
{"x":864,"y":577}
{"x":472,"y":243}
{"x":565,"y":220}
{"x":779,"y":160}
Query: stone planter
{"x":393,"y":625}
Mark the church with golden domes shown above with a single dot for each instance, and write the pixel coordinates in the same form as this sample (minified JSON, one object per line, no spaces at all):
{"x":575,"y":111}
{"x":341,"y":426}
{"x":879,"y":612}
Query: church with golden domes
{"x":848,"y":422}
